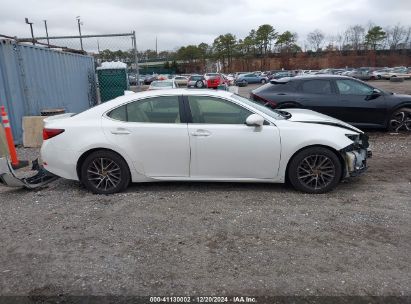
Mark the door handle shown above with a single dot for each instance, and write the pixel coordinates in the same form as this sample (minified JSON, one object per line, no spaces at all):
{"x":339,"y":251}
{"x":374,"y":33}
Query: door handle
{"x":200,"y":132}
{"x":120,"y":131}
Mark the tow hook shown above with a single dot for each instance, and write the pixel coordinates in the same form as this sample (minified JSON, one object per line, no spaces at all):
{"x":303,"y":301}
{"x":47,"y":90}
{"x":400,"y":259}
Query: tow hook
{"x":9,"y":178}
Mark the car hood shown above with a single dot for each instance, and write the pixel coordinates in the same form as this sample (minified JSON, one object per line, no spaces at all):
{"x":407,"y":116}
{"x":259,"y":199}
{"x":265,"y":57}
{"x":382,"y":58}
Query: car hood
{"x":308,"y":116}
{"x":397,"y":95}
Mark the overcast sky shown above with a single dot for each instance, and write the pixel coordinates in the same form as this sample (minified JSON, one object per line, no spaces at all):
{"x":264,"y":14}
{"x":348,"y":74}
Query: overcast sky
{"x":181,"y":22}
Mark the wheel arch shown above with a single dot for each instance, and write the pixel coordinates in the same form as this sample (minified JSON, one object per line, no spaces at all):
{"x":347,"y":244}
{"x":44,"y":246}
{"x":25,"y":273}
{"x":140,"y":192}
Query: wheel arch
{"x":85,"y":154}
{"x":405,"y":104}
{"x":336,"y":152}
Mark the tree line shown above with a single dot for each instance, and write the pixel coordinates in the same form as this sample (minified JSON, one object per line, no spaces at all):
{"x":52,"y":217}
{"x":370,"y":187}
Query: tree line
{"x":266,"y":40}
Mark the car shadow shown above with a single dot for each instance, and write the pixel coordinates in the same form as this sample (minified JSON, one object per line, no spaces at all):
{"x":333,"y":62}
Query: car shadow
{"x":208,"y":186}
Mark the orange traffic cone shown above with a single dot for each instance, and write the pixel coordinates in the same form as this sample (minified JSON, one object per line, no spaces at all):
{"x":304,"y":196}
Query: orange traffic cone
{"x":10,"y":141}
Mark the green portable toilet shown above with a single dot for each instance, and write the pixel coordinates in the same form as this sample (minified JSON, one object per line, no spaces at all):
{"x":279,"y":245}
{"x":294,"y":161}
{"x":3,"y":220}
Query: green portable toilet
{"x":112,"y":80}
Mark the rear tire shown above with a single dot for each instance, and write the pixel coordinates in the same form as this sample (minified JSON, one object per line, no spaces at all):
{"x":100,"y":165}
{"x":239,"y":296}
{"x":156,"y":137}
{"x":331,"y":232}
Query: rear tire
{"x":105,"y":172}
{"x":199,"y":84}
{"x":315,"y":170}
{"x":263,"y":81}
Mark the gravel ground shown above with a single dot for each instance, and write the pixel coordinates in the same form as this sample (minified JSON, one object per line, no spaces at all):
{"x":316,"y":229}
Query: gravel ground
{"x":214,"y":238}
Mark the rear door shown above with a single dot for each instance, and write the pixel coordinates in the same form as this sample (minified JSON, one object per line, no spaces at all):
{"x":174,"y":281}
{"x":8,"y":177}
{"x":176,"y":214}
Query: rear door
{"x":223,"y":147}
{"x":355,"y":103}
{"x":151,"y":133}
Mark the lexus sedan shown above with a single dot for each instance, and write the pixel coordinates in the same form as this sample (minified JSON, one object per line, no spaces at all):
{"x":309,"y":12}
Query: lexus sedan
{"x":200,"y":135}
{"x":344,"y":98}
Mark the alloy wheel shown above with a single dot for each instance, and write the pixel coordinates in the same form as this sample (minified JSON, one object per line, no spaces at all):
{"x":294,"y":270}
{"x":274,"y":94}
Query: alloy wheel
{"x":104,"y":174}
{"x":401,"y":121}
{"x":316,"y":171}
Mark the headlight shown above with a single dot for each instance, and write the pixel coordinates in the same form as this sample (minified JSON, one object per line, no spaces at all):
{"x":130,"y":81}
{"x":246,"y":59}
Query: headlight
{"x":355,"y":138}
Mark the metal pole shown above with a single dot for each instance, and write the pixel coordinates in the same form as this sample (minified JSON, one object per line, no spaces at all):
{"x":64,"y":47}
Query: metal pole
{"x":79,"y":31}
{"x":32,"y":34}
{"x":31,"y":30}
{"x":136,"y":59}
{"x":47,"y":33}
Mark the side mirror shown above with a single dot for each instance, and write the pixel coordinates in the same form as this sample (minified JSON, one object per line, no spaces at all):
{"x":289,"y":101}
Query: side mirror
{"x":254,"y":120}
{"x":374,"y":94}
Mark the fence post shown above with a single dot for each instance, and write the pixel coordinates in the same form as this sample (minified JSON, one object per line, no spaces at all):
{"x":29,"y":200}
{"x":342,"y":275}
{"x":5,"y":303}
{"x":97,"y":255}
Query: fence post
{"x":136,"y":60}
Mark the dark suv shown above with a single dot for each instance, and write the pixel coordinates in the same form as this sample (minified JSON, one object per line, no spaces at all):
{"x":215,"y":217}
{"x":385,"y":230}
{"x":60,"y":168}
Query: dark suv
{"x":345,"y":98}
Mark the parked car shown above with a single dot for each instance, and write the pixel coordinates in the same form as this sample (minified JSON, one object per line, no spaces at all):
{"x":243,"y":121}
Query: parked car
{"x":181,"y":80}
{"x":229,"y":79}
{"x":214,"y":80}
{"x":132,"y":79}
{"x":282,"y":74}
{"x":361,"y":73}
{"x":378,"y":74}
{"x":344,"y":98}
{"x":244,"y":79}
{"x":149,"y":79}
{"x":193,"y":135}
{"x":164,"y":77}
{"x":197,"y":81}
{"x":163,"y":85}
{"x":401,"y":72}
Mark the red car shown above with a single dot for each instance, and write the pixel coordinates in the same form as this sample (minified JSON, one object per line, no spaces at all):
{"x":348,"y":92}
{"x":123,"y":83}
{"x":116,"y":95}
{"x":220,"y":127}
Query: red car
{"x":214,"y":80}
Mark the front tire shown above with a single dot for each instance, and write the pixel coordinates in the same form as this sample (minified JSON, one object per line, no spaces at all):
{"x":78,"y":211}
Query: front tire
{"x":400,"y":120}
{"x":315,"y":170}
{"x":263,"y":81}
{"x":105,"y":172}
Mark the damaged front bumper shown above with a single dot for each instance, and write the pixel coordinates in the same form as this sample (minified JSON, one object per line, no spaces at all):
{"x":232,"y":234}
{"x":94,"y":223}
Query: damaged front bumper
{"x":356,"y":161}
{"x":9,"y":178}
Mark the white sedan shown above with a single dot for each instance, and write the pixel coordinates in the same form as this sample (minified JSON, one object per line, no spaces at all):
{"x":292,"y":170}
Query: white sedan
{"x":163,"y":85}
{"x":200,"y":135}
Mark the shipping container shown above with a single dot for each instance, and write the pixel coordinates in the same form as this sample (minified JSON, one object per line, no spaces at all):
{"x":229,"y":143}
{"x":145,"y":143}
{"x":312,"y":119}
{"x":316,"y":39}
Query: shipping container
{"x":33,"y":79}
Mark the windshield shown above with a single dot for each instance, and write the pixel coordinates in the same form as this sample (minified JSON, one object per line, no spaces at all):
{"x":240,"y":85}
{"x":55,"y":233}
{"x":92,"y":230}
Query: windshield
{"x":270,"y":112}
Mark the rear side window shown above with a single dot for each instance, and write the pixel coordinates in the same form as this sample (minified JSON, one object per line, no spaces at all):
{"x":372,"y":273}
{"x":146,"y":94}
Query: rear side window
{"x":163,"y":109}
{"x":317,"y":86}
{"x":119,"y":114}
{"x":277,"y":87}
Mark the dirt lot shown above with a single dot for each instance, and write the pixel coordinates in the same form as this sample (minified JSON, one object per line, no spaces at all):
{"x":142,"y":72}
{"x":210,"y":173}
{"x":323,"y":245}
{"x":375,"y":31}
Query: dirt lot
{"x":215,"y":238}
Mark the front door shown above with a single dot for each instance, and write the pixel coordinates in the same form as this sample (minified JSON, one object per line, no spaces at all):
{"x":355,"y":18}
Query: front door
{"x":356,"y":106}
{"x":223,"y":147}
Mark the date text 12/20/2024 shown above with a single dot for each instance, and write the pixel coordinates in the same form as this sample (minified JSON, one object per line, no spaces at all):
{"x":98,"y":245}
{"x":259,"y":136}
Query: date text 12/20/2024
{"x":238,"y":299}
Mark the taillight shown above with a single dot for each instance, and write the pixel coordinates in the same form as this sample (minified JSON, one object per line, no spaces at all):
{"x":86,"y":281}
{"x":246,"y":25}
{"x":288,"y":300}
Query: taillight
{"x":50,"y":133}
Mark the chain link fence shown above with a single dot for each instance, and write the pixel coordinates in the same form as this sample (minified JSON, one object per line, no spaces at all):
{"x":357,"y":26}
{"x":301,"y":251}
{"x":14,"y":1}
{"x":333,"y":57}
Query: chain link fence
{"x":120,"y":48}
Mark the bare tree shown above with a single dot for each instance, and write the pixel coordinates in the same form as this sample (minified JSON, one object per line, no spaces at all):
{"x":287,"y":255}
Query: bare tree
{"x":407,"y":40}
{"x":355,"y":37}
{"x":316,"y":39}
{"x":396,"y":36}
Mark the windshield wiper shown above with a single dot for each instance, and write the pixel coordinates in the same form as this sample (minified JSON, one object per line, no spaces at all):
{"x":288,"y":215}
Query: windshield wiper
{"x":284,"y":114}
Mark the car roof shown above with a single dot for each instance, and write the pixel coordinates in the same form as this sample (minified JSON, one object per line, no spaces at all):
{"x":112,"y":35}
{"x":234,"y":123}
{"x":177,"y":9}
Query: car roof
{"x":153,"y":93}
{"x":320,"y":76}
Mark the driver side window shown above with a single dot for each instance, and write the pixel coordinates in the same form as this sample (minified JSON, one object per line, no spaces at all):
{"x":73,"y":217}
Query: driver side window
{"x":352,"y":87}
{"x":211,"y":110}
